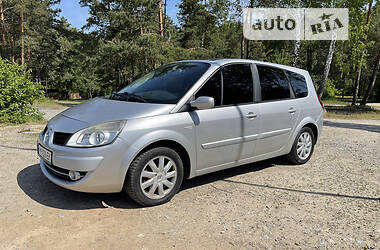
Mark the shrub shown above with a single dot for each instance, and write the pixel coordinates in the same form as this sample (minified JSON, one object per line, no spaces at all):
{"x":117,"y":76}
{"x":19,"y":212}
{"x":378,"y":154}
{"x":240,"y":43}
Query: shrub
{"x":280,"y":57}
{"x":330,"y":90}
{"x":17,"y":93}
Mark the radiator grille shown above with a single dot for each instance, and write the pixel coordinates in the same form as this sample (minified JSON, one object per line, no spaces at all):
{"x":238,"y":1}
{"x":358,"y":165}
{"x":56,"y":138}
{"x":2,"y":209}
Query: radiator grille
{"x":61,"y":138}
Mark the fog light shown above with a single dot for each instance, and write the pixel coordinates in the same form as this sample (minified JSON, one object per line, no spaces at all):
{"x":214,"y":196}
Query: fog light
{"x":74,"y":175}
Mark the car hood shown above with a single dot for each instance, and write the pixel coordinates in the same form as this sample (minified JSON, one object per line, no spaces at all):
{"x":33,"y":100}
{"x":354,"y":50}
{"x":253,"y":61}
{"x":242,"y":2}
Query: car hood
{"x":101,"y":110}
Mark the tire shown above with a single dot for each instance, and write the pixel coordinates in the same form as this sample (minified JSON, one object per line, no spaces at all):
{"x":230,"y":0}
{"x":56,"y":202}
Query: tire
{"x":154,"y":177}
{"x":303,"y":139}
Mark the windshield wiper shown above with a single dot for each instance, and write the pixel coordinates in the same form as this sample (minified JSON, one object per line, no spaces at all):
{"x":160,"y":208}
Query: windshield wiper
{"x":125,"y":96}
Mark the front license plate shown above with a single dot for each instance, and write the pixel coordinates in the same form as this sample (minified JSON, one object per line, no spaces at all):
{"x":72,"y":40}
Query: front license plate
{"x":44,"y":153}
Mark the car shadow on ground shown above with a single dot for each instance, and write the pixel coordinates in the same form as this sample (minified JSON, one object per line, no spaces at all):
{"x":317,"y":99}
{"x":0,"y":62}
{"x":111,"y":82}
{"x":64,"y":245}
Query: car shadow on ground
{"x":34,"y":184}
{"x":40,"y":189}
{"x":366,"y":127}
{"x":228,"y":173}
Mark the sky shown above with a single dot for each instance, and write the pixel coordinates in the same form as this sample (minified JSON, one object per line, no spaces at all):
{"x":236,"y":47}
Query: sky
{"x":77,"y":15}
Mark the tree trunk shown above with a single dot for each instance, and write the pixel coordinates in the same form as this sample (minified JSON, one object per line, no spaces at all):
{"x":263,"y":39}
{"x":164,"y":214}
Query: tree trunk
{"x":372,"y":81}
{"x":13,"y":45}
{"x":327,"y":68}
{"x":247,"y":48}
{"x":28,"y":54}
{"x":22,"y":37}
{"x":359,"y":72}
{"x":3,"y":37}
{"x":356,"y":89}
{"x":344,"y":82}
{"x":248,"y":42}
{"x":203,"y":39}
{"x":139,"y":15}
{"x":117,"y":78}
{"x":296,"y":52}
{"x":161,"y":27}
{"x":309,"y":59}
{"x":164,"y":17}
{"x":297,"y":45}
{"x":242,"y":46}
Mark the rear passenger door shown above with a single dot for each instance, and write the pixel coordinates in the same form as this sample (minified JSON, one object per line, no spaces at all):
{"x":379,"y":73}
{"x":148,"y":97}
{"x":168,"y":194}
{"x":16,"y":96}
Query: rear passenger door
{"x":279,"y":110}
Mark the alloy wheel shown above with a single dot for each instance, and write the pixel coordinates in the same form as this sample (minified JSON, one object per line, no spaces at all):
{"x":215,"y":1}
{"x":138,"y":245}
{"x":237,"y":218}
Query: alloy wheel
{"x":304,"y":145}
{"x":158,"y":177}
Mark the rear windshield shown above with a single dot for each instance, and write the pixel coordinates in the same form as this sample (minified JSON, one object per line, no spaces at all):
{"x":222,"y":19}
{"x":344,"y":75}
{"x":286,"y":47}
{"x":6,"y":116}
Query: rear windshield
{"x":168,"y":83}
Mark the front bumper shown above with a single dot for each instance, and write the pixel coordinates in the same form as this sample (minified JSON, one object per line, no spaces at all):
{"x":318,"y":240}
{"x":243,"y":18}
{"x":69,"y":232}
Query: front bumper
{"x":103,"y":167}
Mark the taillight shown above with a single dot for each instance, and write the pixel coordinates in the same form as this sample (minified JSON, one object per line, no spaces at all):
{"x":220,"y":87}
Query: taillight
{"x":320,"y":102}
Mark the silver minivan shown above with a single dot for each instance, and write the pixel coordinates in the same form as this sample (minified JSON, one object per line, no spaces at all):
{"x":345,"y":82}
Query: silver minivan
{"x":182,"y":120}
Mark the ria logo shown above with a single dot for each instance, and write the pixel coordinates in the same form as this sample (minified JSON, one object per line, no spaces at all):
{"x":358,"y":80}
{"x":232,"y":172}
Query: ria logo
{"x":326,"y":25}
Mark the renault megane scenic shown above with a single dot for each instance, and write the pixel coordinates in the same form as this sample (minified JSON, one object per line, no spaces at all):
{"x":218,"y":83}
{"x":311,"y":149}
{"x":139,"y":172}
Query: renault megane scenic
{"x":182,"y":120}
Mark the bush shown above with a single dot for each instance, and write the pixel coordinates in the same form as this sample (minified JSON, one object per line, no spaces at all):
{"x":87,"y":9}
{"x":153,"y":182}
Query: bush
{"x":280,"y":57}
{"x":17,"y":93}
{"x":330,"y":90}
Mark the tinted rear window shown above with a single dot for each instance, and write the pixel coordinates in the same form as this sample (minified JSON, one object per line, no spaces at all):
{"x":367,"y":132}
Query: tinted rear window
{"x":274,"y":83}
{"x":237,"y":84}
{"x":298,"y":83}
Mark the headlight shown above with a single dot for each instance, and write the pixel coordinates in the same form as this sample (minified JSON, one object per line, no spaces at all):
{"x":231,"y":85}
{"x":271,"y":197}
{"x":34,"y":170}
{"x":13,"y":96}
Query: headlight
{"x":41,"y":135}
{"x":98,"y":135}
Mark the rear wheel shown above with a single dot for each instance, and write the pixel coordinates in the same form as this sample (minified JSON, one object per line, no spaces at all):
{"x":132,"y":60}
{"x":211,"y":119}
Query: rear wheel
{"x":154,"y":177}
{"x":303,"y":146}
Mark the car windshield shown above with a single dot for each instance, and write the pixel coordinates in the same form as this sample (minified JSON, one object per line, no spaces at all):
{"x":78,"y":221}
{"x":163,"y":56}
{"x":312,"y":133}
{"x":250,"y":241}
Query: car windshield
{"x":167,"y":84}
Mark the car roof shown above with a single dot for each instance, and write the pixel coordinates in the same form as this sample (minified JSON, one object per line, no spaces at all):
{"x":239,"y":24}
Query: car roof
{"x":224,"y":61}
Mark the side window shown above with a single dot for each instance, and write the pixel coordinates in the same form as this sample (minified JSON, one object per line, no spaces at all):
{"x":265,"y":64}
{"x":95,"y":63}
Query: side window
{"x":237,"y":84}
{"x":274,"y":83}
{"x":212,"y":88}
{"x":298,"y":83}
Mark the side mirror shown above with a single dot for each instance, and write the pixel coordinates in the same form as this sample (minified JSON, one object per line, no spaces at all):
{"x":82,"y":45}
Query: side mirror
{"x":203,"y":102}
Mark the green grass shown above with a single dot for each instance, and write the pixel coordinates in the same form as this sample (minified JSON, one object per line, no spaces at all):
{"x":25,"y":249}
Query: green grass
{"x":48,"y":103}
{"x":32,"y":122}
{"x":352,"y":112}
{"x":335,"y":101}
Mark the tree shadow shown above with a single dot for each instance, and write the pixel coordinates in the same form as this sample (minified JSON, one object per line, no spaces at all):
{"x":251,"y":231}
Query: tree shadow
{"x":20,"y":148}
{"x":34,"y":184}
{"x":223,"y":175}
{"x":305,"y":192}
{"x":366,"y":127}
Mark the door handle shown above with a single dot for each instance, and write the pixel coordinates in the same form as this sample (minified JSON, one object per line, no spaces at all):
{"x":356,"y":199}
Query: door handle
{"x":250,"y":115}
{"x":292,"y":110}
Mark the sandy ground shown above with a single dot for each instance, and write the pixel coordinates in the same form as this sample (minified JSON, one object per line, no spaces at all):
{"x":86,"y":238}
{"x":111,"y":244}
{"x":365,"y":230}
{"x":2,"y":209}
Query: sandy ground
{"x":331,"y":202}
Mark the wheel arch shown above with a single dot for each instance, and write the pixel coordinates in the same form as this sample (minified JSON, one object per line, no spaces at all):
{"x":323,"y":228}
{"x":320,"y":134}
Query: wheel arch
{"x":314,"y":128}
{"x":166,"y":138}
{"x":176,"y":146}
{"x":306,"y":122}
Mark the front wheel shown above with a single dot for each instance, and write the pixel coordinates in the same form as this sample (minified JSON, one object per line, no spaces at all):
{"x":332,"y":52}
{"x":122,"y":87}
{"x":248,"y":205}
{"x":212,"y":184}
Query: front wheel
{"x":303,"y":146}
{"x":154,"y":177}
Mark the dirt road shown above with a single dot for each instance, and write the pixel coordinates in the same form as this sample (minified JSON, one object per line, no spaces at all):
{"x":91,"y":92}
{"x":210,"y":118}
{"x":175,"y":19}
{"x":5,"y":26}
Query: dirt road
{"x":330,"y":202}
